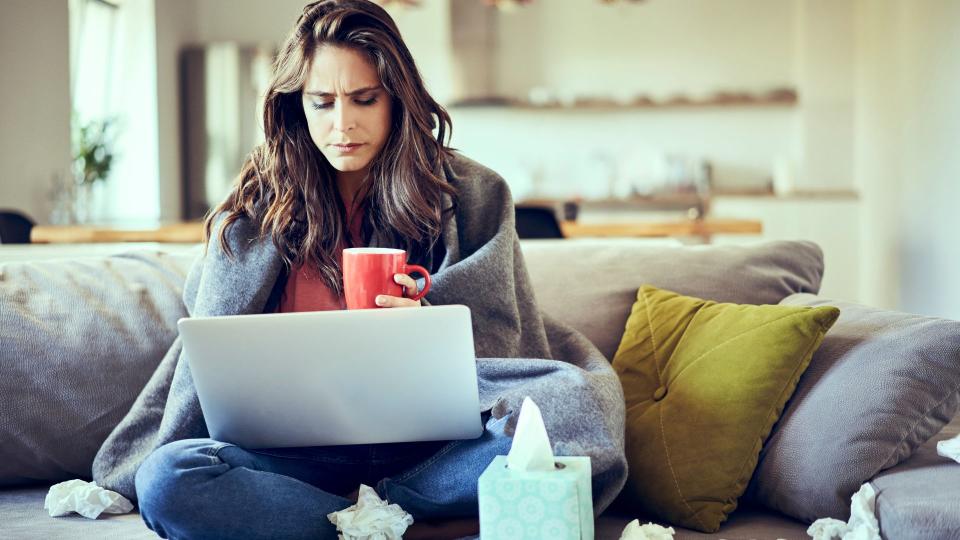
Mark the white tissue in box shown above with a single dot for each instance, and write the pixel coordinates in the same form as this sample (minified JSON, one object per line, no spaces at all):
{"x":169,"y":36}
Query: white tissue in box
{"x":555,"y":504}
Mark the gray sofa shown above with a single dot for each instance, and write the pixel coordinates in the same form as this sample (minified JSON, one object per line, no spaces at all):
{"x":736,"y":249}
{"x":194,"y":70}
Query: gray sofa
{"x":60,"y":396}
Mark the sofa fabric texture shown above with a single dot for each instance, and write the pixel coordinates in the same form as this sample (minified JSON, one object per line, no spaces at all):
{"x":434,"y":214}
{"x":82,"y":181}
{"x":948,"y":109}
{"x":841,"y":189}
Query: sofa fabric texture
{"x":704,"y":383}
{"x":591,"y":284}
{"x":918,"y":499}
{"x":79,"y":338}
{"x":881,"y":384}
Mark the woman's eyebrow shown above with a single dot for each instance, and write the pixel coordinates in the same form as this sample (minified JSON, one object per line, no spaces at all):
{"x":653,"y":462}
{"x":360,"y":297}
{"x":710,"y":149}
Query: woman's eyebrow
{"x":351,"y":93}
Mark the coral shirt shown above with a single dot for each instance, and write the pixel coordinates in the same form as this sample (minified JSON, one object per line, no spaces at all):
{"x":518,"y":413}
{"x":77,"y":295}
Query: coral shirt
{"x":305,"y":290}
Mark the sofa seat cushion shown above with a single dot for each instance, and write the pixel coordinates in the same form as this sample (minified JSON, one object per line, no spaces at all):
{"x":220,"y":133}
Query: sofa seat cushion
{"x":920,"y":498}
{"x":22,"y":517}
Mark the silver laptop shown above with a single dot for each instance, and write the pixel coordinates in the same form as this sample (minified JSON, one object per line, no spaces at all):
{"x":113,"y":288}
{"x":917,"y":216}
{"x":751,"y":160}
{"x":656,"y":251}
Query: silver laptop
{"x":336,"y":377}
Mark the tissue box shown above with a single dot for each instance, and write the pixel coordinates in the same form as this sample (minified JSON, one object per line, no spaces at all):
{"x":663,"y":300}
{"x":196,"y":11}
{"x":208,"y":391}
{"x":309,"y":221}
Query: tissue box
{"x":555,"y":504}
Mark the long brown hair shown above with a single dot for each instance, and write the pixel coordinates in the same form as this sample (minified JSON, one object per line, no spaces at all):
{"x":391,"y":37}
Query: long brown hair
{"x":289,"y":187}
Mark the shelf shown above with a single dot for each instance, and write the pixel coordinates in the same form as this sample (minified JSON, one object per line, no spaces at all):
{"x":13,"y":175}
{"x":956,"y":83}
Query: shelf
{"x":678,"y":199}
{"x":692,"y":199}
{"x":817,"y":194}
{"x":781,"y":98}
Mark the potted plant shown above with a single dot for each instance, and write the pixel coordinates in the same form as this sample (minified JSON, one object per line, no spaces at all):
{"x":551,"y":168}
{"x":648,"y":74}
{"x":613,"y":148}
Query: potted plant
{"x":92,"y":159}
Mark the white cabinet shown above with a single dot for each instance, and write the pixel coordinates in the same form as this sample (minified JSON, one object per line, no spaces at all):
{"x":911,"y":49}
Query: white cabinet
{"x":832,"y":222}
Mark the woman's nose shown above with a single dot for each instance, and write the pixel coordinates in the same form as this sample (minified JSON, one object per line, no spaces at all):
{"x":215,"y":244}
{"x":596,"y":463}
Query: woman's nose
{"x":344,"y":117}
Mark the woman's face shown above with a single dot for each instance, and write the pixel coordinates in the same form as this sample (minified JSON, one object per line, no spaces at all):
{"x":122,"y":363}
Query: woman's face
{"x":347,"y":109}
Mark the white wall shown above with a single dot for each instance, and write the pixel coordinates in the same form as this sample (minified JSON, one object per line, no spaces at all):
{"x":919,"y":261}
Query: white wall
{"x":134,"y":181}
{"x":930,"y":249}
{"x":908,"y":128}
{"x":659,"y":47}
{"x":176,"y":27}
{"x":832,"y":223}
{"x":878,"y":147}
{"x":34,"y":102}
{"x":824,"y":63}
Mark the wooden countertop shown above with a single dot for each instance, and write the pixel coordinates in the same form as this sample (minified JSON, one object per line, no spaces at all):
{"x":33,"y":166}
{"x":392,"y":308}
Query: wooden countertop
{"x":692,"y":227}
{"x":178,"y":233}
{"x":192,"y":232}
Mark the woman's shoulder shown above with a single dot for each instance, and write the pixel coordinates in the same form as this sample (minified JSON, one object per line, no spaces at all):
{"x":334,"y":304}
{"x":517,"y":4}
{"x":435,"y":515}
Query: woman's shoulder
{"x":242,"y":233}
{"x":468,"y":175}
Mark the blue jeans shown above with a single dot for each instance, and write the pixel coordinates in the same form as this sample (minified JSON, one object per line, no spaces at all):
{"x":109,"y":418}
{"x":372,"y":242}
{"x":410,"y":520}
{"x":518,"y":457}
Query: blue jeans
{"x":202,"y":488}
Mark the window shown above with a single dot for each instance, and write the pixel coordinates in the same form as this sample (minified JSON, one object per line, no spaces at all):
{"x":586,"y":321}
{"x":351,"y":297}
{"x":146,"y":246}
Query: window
{"x":113,"y":75}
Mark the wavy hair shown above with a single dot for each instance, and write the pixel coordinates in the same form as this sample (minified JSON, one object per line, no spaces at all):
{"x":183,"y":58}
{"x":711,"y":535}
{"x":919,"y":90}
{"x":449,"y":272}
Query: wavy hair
{"x":288,"y":186}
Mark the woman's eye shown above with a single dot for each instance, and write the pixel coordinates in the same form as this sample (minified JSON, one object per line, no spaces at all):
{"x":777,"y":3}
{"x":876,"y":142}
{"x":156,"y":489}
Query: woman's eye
{"x":319,"y":106}
{"x":366,"y":102}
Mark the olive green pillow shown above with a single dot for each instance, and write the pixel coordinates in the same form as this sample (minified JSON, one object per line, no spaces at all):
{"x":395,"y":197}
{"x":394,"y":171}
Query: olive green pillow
{"x":704,"y":383}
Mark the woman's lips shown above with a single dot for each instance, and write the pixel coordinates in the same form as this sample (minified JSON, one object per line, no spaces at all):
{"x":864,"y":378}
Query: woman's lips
{"x":347,"y":148}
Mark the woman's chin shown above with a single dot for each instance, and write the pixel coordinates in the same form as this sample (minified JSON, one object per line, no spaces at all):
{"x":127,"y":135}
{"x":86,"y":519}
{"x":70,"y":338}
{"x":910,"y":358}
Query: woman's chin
{"x":348,"y":163}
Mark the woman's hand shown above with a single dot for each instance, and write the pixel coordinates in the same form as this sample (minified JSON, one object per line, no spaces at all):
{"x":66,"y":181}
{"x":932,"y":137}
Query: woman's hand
{"x":409,"y":289}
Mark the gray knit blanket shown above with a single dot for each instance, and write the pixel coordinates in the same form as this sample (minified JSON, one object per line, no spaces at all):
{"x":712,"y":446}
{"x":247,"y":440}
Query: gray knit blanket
{"x":520,"y":351}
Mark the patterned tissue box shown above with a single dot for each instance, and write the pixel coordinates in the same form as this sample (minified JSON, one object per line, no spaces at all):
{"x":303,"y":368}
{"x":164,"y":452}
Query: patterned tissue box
{"x":555,"y":504}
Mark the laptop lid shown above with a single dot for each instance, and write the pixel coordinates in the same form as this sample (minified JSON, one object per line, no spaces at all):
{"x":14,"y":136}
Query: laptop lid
{"x":336,"y":377}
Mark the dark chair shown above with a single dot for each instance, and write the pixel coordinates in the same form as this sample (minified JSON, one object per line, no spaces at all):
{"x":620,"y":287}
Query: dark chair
{"x":537,"y":222}
{"x":14,"y":227}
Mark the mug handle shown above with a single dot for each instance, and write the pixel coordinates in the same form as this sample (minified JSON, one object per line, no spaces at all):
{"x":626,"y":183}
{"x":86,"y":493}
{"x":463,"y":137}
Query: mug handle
{"x":408,"y":268}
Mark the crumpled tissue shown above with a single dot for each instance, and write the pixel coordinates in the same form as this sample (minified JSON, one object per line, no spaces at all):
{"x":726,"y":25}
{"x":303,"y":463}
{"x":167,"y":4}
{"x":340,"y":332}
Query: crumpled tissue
{"x":950,"y":448}
{"x":371,"y":518}
{"x":651,"y":531}
{"x":85,"y":498}
{"x":863,"y":524}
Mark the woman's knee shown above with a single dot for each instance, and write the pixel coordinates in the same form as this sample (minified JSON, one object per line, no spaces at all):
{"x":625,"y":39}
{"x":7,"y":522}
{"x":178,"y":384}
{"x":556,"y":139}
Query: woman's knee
{"x":166,"y":478}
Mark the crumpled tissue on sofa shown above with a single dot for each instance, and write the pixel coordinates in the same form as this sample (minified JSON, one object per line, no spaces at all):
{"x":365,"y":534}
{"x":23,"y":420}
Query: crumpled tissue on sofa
{"x":85,"y":498}
{"x":950,"y":448}
{"x":371,"y":518}
{"x":863,"y":524}
{"x":651,"y":531}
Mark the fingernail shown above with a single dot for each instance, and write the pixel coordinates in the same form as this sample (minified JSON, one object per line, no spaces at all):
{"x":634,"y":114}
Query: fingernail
{"x":396,"y":277}
{"x":380,"y":301}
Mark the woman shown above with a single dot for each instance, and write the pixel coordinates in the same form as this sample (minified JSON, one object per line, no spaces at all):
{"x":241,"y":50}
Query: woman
{"x":350,"y":159}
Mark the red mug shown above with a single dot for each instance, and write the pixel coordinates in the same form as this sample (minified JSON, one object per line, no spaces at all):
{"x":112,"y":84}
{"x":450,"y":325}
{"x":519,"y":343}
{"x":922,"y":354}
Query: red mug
{"x":368,"y":272}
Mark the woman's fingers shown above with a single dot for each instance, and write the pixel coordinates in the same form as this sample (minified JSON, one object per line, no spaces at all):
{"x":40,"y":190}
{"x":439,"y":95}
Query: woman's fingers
{"x":410,"y":288}
{"x":409,"y":285}
{"x":385,"y":300}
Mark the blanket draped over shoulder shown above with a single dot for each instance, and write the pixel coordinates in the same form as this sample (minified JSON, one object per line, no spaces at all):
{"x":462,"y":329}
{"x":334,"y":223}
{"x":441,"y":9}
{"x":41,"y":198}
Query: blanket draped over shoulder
{"x":520,"y":351}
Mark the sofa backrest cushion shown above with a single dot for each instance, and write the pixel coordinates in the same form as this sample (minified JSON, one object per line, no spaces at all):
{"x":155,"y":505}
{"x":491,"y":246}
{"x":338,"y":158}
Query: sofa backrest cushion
{"x":79,"y":339}
{"x":880,"y":385}
{"x":591,"y":284}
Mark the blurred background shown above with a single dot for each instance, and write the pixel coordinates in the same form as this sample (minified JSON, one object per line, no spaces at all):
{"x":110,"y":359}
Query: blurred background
{"x":836,"y":121}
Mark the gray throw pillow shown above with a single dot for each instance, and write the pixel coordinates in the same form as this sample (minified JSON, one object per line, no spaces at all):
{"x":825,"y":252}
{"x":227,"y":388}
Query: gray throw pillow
{"x":591,"y":284}
{"x":880,"y":385}
{"x":78,"y":340}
